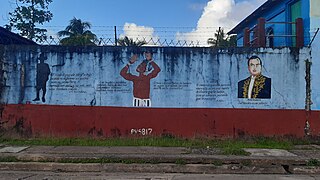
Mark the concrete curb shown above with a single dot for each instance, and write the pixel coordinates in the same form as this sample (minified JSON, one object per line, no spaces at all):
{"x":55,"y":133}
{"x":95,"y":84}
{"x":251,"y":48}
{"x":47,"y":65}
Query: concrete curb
{"x":156,"y":160}
{"x":146,"y":168}
{"x":163,"y":164}
{"x":305,"y":170}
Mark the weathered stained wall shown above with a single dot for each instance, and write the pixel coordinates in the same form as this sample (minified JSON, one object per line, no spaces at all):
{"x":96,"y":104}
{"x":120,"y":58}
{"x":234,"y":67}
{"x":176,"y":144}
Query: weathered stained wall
{"x":196,"y":93}
{"x":315,"y":53}
{"x":189,"y":77}
{"x":84,"y":121}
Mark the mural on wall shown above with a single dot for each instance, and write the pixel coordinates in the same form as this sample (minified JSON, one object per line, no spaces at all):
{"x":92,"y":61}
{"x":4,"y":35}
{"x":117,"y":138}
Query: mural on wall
{"x":189,"y":77}
{"x":256,"y":86}
{"x":42,"y":76}
{"x":147,"y":70}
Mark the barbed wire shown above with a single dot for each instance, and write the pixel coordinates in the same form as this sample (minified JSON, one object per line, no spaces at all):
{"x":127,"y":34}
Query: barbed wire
{"x":156,"y":27}
{"x":155,"y":36}
{"x":105,"y":41}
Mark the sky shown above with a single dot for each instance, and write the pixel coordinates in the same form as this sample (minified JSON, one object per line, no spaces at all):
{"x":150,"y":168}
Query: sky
{"x":191,"y":20}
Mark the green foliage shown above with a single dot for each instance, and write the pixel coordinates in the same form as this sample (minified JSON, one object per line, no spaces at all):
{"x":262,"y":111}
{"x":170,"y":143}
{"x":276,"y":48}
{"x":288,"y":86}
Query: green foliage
{"x":228,"y":146}
{"x":268,"y":142}
{"x":78,"y":40}
{"x":126,"y":41}
{"x":8,"y":159}
{"x":246,"y":162}
{"x":77,"y":33}
{"x":103,"y":161}
{"x":180,"y":162}
{"x":235,"y":151}
{"x":221,"y":40}
{"x":217,"y":162}
{"x":80,"y":160}
{"x":27,"y":15}
{"x":313,"y":162}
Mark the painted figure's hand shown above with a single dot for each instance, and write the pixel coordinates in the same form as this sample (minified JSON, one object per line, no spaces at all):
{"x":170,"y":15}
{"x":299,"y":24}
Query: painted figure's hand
{"x":133,"y":59}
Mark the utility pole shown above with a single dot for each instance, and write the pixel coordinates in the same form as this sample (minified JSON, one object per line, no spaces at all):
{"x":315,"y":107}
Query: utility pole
{"x":218,"y":38}
{"x":115,"y":36}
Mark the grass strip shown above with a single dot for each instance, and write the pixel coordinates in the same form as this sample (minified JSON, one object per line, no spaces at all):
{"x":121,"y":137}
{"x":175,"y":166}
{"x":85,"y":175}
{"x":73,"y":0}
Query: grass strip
{"x":228,"y":146}
{"x":260,"y":142}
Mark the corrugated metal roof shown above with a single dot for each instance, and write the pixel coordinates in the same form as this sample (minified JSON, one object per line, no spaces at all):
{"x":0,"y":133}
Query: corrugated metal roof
{"x":7,"y":37}
{"x":254,"y":16}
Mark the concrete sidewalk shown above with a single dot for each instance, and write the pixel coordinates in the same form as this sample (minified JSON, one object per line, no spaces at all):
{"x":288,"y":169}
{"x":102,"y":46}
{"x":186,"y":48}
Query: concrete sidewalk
{"x":159,"y":159}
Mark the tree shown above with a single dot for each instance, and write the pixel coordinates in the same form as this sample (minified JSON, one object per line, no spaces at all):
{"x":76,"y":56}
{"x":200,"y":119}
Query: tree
{"x":27,"y":15}
{"x":126,"y":41}
{"x":77,"y":34}
{"x":222,"y":40}
{"x":232,"y":41}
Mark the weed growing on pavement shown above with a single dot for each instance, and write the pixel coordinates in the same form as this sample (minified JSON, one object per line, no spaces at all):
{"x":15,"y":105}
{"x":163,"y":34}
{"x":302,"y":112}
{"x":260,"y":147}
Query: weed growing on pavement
{"x":313,"y":162}
{"x":154,"y":161}
{"x":246,"y":162}
{"x":150,"y":141}
{"x":256,"y":142}
{"x":9,"y":159}
{"x":235,"y":151}
{"x":217,"y":163}
{"x":103,"y":161}
{"x":180,"y":162}
{"x":228,"y":146}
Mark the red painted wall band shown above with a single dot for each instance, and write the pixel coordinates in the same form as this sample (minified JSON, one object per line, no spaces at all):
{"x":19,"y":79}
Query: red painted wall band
{"x":83,"y":121}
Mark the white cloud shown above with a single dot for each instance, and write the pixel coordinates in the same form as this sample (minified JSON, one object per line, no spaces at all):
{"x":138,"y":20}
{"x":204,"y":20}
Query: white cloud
{"x":196,"y":6}
{"x":219,"y":13}
{"x":140,"y":33}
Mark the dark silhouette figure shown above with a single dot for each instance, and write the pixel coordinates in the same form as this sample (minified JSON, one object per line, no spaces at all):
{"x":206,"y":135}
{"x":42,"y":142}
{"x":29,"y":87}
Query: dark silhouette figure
{"x":43,"y":72}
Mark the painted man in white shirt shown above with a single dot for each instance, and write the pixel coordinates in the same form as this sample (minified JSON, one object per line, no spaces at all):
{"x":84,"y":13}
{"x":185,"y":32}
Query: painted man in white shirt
{"x":257,"y":85}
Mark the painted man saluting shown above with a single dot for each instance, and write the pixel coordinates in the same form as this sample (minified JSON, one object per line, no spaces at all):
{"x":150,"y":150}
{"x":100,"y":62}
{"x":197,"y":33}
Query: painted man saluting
{"x":141,"y":83}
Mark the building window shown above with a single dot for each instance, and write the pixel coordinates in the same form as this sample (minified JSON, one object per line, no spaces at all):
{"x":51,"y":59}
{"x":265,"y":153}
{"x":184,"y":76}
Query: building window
{"x":270,"y":37}
{"x":295,"y":12}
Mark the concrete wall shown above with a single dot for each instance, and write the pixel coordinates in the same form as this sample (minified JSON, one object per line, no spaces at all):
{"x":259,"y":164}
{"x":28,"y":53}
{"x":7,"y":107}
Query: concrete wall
{"x":315,"y":51}
{"x":195,"y":93}
{"x":189,"y":77}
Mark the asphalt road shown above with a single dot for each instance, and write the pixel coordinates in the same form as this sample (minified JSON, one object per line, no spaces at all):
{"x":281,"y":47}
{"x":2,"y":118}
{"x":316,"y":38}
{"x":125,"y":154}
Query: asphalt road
{"x":10,"y":175}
